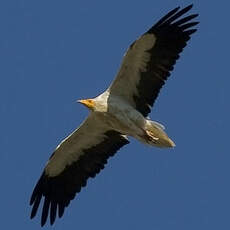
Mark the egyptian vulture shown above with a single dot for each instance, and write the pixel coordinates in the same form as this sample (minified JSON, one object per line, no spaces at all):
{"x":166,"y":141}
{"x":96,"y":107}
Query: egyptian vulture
{"x":119,"y":112}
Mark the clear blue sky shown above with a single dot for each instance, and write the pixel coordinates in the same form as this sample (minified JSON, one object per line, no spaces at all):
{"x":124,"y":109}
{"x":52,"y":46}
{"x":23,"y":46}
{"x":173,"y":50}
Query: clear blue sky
{"x":54,"y":52}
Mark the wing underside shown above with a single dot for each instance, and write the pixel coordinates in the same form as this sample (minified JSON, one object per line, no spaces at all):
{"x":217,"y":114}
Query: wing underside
{"x":80,"y":156}
{"x":149,"y":60}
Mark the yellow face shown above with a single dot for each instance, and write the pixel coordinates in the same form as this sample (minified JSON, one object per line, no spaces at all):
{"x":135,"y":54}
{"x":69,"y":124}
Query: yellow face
{"x":89,"y":103}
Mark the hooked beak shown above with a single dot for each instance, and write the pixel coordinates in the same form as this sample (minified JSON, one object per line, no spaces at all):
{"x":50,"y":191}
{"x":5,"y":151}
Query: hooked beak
{"x":89,"y":103}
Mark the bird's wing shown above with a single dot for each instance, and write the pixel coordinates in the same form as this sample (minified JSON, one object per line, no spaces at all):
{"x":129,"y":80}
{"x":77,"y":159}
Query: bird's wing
{"x":80,"y":156}
{"x":150,"y":59}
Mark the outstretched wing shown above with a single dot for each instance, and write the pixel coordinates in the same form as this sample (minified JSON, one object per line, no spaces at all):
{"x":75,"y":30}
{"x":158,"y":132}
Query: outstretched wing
{"x":80,"y":156}
{"x":149,"y":60}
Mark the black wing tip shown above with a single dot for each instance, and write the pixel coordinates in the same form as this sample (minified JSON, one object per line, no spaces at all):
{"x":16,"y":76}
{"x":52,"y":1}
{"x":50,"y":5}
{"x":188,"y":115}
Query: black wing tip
{"x":189,"y":7}
{"x":49,"y":210}
{"x":32,"y":215}
{"x":33,"y":196}
{"x":167,"y":16}
{"x":61,"y":210}
{"x":195,"y":15}
{"x":53,"y":212}
{"x":45,"y":210}
{"x":173,"y":11}
{"x":192,"y":31}
{"x":31,"y":201}
{"x":185,"y":9}
{"x":193,"y":24}
{"x":172,"y":16}
{"x":43,"y":223}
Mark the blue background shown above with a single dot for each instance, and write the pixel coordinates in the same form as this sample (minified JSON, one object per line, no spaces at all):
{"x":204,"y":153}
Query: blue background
{"x":54,"y":52}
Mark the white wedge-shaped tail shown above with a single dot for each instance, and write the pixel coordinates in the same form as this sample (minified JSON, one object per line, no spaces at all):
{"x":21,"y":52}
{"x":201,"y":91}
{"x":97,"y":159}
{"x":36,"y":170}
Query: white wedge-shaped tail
{"x":157,"y":136}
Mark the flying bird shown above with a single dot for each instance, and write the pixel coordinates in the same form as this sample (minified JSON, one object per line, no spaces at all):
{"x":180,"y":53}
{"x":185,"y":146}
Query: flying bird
{"x":119,"y":112}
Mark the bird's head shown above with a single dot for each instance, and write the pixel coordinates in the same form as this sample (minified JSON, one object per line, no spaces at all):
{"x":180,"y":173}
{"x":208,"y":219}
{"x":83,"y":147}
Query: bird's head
{"x":89,"y":103}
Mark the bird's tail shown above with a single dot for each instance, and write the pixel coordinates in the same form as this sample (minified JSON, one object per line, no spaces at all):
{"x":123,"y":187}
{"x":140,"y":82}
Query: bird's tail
{"x":156,"y":136}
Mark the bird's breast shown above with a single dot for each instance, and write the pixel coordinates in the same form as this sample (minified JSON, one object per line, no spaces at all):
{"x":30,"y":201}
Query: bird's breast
{"x":123,"y":118}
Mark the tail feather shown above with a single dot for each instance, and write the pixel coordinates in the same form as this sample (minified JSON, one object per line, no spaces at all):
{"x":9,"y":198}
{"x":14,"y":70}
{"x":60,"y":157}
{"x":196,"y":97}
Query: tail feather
{"x":157,"y":136}
{"x":159,"y":125}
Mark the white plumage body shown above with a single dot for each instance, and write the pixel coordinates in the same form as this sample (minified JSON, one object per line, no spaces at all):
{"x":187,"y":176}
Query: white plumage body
{"x":122,"y":117}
